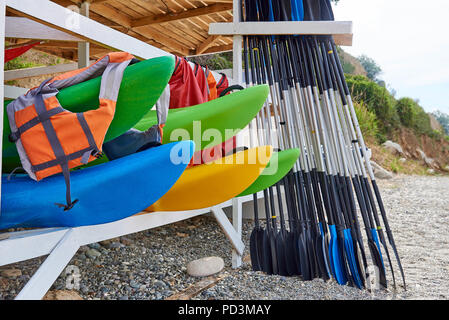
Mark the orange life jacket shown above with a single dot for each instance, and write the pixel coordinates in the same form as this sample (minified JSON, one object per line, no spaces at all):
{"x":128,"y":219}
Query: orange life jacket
{"x":50,"y":139}
{"x":212,"y":84}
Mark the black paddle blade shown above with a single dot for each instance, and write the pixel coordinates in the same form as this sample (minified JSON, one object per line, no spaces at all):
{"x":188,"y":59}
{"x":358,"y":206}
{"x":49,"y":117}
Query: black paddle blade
{"x":274,"y":253}
{"x":327,"y":13}
{"x":312,"y":252}
{"x":293,"y":266}
{"x":255,"y":248}
{"x":358,"y":260}
{"x":304,"y":257}
{"x":320,"y":257}
{"x":377,"y":260}
{"x":326,"y":255}
{"x":312,"y":10}
{"x":267,"y":264}
{"x":286,"y":10}
{"x":281,"y":255}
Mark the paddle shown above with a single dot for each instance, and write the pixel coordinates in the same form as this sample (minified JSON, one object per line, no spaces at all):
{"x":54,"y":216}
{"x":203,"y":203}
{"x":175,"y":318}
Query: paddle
{"x":328,"y":14}
{"x":292,"y":259}
{"x":295,"y":180}
{"x":268,"y":245}
{"x":314,"y":231}
{"x":259,"y":257}
{"x":301,"y":78}
{"x":287,"y":251}
{"x":263,"y":126}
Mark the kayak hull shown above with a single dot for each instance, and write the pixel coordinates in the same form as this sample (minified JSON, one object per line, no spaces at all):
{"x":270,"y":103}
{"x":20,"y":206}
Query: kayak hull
{"x":141,"y":87}
{"x":273,"y":173}
{"x":211,"y":123}
{"x":213,"y":183}
{"x":106,"y":193}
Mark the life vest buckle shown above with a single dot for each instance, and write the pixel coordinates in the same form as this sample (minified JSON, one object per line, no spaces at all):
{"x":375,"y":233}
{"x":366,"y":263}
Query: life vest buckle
{"x":67,"y":207}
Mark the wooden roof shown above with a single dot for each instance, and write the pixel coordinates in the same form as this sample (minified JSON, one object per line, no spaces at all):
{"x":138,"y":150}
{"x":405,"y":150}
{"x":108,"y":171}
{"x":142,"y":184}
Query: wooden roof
{"x":176,"y":26}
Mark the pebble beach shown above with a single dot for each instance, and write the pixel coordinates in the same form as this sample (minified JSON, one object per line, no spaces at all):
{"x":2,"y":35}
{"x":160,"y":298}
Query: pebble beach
{"x":153,"y":264}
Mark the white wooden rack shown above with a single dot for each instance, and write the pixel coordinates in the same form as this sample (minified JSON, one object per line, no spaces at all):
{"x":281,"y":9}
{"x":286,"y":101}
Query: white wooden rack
{"x":43,"y":19}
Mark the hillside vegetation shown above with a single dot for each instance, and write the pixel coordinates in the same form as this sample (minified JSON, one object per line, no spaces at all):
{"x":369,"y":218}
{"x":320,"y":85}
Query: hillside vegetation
{"x":382,"y":117}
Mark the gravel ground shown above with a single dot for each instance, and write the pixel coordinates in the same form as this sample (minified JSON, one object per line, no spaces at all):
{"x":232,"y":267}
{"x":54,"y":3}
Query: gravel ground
{"x":152,"y":264}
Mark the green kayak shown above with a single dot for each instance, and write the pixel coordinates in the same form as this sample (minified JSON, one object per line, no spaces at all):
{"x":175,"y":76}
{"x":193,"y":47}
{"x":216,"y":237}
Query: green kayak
{"x":274,"y":173}
{"x":211,"y":123}
{"x":141,"y":87}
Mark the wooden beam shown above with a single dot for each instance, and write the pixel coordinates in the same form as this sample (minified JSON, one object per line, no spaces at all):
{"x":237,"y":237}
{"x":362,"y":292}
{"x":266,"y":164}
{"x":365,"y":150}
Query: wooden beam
{"x":97,"y":1}
{"x":160,"y":18}
{"x":341,"y":30}
{"x":24,"y":28}
{"x":39,"y":71}
{"x":196,"y":288}
{"x":63,"y":44}
{"x":55,"y":16}
{"x":217,"y":49}
{"x":206,"y":44}
{"x":117,"y":17}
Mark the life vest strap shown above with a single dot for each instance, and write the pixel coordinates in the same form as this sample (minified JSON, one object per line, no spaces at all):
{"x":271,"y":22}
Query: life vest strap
{"x":87,"y":132}
{"x":42,"y":117}
{"x":56,"y":146}
{"x":70,"y":203}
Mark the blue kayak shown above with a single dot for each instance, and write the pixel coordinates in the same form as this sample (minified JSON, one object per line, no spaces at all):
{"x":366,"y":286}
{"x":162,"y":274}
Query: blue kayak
{"x":106,"y":192}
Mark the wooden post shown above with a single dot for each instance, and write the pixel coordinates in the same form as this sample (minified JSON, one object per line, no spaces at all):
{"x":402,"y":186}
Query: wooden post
{"x":237,"y":46}
{"x":237,"y":67}
{"x":237,"y":223}
{"x":84,"y":47}
{"x":2,"y":67}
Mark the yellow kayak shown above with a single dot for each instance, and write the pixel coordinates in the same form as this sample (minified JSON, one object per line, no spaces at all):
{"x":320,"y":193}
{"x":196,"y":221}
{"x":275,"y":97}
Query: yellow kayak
{"x":210,"y":184}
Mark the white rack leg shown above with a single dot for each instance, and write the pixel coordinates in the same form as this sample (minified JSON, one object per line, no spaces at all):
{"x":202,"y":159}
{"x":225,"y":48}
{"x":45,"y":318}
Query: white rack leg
{"x":51,"y":268}
{"x":231,"y":233}
{"x":2,"y":65}
{"x":237,"y":223}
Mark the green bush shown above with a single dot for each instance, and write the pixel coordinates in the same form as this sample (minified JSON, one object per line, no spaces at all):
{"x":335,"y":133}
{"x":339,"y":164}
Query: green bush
{"x":405,"y":110}
{"x":377,"y":99}
{"x":18,"y":63}
{"x":413,"y":116}
{"x":367,"y":120}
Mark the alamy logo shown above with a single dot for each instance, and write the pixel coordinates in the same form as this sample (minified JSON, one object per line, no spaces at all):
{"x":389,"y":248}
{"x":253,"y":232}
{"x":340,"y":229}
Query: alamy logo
{"x":72,"y":20}
{"x":73,"y":277}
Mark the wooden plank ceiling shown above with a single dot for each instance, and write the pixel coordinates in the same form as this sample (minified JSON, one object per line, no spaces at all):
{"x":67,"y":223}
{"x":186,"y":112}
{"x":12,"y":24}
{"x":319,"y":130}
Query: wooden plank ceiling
{"x":176,"y":26}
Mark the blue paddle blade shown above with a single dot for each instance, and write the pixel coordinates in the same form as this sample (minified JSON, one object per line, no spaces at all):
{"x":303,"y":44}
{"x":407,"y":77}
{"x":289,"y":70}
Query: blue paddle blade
{"x":331,"y":245}
{"x":349,"y":245}
{"x":336,"y":257}
{"x":376,"y":239}
{"x":295,"y":16}
{"x":300,"y":6}
{"x":271,"y":13}
{"x":297,"y":10}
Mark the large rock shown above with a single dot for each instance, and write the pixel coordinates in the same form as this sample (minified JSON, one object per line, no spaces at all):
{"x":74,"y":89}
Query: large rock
{"x":92,"y":253}
{"x":205,"y":266}
{"x":11,"y":273}
{"x":435,"y":124}
{"x":428,"y":161}
{"x":381,"y":173}
{"x":62,"y":295}
{"x":393,"y":147}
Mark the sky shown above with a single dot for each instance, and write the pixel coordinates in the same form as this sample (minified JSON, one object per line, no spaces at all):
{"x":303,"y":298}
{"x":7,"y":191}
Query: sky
{"x":409,"y":40}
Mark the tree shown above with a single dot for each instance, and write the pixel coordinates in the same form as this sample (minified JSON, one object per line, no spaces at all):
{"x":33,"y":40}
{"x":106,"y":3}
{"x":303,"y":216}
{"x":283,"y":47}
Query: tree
{"x":371,"y":67}
{"x":442,"y":118}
